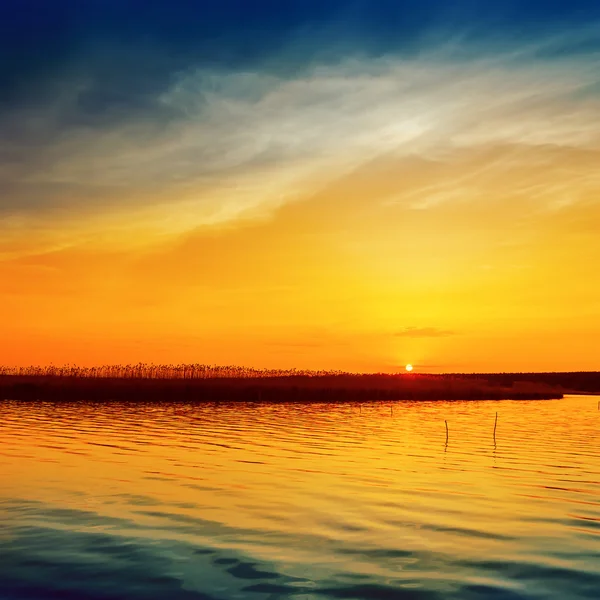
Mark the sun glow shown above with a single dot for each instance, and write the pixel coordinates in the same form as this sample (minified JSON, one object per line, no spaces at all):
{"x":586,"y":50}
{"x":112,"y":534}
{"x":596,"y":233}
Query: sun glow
{"x":409,"y":368}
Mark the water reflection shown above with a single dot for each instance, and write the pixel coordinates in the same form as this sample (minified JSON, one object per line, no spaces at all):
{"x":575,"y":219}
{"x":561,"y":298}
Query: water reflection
{"x":310,"y":501}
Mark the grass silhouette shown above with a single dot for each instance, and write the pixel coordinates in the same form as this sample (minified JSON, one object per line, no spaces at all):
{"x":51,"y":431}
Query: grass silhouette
{"x":198,"y":382}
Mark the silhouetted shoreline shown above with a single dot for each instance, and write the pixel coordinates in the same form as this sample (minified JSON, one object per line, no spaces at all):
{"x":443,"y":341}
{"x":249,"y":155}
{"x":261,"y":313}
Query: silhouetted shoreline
{"x":290,"y":388}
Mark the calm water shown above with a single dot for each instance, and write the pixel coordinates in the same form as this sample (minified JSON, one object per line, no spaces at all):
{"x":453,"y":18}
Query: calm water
{"x":304,"y":501}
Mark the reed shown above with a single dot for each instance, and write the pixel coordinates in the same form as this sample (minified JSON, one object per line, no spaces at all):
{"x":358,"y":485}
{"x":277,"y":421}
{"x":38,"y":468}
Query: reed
{"x":165,"y":371}
{"x":232,"y":383}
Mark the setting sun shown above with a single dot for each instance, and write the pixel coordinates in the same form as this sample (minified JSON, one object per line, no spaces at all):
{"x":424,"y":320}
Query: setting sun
{"x":409,"y":368}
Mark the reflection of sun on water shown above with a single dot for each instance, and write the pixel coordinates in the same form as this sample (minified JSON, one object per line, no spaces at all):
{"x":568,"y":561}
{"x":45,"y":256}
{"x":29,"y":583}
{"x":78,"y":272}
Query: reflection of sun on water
{"x":409,"y":368}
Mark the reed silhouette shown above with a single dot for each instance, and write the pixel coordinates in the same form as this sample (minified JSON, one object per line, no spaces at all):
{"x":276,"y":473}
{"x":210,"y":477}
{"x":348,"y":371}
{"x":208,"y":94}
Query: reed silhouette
{"x":232,"y":383}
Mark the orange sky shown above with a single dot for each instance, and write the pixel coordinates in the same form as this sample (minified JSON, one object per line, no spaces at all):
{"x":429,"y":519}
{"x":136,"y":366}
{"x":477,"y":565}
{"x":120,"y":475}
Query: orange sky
{"x":361,"y":231}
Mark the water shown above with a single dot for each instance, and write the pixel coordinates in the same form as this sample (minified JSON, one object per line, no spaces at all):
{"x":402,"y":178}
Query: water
{"x":203,"y":502}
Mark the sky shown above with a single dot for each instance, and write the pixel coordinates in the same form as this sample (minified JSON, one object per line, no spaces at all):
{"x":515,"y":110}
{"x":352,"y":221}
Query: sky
{"x":335,"y":184}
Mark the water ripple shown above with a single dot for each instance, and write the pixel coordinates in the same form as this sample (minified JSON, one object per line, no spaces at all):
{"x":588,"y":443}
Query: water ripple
{"x":304,"y":501}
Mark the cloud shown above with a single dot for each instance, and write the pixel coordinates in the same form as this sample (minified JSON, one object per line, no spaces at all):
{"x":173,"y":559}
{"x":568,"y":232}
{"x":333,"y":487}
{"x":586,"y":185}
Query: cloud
{"x":172,"y":150}
{"x":424,"y":332}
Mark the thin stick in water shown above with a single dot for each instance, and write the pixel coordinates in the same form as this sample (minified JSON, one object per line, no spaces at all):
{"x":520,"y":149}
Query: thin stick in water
{"x":446,"y":431}
{"x":495,"y":424}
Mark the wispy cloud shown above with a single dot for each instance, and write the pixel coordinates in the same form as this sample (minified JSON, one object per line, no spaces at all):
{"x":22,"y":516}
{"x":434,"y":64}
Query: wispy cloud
{"x":217,"y":145}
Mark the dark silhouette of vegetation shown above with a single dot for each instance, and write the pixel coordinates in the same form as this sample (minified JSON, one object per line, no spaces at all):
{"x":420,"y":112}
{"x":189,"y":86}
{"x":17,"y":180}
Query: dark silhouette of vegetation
{"x":214,"y":383}
{"x":152,"y":371}
{"x":576,"y":382}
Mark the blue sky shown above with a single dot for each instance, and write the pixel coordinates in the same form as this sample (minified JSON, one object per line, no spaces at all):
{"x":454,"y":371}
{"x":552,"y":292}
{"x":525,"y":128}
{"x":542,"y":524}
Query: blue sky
{"x":40,"y":39}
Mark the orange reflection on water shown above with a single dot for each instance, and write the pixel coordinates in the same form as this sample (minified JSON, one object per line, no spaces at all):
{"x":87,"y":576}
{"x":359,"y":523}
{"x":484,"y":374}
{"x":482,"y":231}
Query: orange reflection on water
{"x":311,"y":484}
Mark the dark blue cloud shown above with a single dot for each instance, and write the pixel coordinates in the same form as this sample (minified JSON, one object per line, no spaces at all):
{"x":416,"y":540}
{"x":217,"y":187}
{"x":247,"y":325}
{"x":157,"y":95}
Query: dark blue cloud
{"x":39,"y":38}
{"x":124,"y":53}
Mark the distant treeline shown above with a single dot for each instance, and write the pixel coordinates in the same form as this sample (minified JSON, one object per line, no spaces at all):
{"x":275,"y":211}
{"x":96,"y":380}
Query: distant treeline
{"x":213,"y":383}
{"x":584,"y":382}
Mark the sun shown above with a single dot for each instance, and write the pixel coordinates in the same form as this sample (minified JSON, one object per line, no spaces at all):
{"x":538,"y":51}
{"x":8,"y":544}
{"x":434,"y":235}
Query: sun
{"x":409,"y":368}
